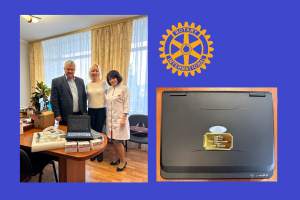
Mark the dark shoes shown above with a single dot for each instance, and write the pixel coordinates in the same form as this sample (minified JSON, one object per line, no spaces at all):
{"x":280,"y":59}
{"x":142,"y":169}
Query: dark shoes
{"x":121,"y":169}
{"x":99,"y":158}
{"x":94,"y":158}
{"x":115,"y":163}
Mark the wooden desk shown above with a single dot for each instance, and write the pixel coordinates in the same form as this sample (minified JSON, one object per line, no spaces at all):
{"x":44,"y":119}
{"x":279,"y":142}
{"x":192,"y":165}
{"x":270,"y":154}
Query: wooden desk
{"x":158,"y":127}
{"x":71,"y":165}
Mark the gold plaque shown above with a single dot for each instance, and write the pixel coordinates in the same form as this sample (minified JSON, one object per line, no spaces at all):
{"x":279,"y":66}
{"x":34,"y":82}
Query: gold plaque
{"x":218,"y":141}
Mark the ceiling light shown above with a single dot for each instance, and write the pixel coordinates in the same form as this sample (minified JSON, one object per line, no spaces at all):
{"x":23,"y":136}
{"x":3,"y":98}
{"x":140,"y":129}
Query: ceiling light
{"x":34,"y":20}
{"x":31,"y":18}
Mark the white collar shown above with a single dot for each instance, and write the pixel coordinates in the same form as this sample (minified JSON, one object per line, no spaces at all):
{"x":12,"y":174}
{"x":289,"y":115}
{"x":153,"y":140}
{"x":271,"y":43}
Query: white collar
{"x":69,"y":79}
{"x":117,"y":85}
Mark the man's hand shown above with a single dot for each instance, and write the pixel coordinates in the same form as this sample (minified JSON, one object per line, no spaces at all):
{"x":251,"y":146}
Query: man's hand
{"x":122,"y":123}
{"x":58,"y":118}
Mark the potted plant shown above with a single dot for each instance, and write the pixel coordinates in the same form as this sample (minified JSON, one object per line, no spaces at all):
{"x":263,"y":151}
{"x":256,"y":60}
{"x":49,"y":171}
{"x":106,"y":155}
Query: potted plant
{"x":42,"y":92}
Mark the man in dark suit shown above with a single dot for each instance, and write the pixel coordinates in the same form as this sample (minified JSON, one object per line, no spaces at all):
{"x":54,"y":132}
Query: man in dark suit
{"x":68,"y":96}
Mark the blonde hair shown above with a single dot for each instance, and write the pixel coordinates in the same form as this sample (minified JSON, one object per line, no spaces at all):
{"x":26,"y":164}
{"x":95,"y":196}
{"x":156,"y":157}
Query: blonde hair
{"x":99,"y":69}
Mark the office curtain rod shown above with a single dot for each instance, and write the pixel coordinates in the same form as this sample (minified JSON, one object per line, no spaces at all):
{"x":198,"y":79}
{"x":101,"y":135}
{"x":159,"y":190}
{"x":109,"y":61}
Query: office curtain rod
{"x":89,"y":28}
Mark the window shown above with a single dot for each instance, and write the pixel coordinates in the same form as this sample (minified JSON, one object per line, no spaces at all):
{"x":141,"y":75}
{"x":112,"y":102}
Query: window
{"x":138,"y":68}
{"x":57,"y":51}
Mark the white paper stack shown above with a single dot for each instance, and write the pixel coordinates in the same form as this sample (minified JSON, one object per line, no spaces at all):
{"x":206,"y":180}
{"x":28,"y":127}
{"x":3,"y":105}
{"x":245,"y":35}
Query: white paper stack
{"x":21,"y":127}
{"x":70,"y":147}
{"x":84,"y":146}
{"x":96,"y":144}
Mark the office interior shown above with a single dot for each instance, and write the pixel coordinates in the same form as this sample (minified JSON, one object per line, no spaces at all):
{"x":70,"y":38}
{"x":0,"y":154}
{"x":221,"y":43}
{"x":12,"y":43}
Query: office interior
{"x":35,"y":66}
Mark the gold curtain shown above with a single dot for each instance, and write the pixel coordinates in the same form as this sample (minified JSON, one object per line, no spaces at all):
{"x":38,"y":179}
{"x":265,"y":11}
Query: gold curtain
{"x":37,"y":69}
{"x":111,"y":48}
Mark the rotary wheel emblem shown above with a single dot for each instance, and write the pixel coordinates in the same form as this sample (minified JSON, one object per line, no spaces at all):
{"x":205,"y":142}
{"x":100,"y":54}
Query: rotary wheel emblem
{"x":186,"y":49}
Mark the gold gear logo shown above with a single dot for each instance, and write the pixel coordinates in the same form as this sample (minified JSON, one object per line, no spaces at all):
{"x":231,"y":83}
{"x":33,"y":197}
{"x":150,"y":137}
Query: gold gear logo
{"x":186,"y":49}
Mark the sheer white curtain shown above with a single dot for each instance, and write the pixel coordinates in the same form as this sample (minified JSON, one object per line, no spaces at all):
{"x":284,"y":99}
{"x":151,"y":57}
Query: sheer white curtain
{"x":138,"y":71}
{"x":138,"y":68}
{"x":76,"y":47}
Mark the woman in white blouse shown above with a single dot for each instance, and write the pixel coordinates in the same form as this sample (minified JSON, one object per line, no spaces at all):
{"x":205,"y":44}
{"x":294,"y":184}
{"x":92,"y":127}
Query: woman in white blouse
{"x":96,"y":102}
{"x":117,"y":125}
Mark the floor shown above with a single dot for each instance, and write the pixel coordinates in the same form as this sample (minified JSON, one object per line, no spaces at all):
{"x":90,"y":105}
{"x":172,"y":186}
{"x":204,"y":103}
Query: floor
{"x":135,"y":171}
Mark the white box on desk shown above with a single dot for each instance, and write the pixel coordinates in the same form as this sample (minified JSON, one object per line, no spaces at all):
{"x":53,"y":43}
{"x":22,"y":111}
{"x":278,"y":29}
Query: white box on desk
{"x":70,"y":147}
{"x":42,"y":146}
{"x":96,"y":144}
{"x":84,"y":146}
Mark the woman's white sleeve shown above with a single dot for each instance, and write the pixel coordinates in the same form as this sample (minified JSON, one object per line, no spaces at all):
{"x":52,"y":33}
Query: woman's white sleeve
{"x":126,"y":103}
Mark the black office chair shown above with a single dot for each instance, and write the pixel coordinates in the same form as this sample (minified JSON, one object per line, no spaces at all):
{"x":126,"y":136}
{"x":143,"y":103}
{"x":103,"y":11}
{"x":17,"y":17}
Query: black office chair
{"x":34,"y":164}
{"x":133,"y":121}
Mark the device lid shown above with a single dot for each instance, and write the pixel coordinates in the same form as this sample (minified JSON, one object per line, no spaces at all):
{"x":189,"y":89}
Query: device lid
{"x":79,"y":123}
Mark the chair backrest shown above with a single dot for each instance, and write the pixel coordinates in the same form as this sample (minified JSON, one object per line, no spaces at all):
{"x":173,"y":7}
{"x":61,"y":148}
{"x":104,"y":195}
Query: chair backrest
{"x":25,"y":163}
{"x":135,"y":119}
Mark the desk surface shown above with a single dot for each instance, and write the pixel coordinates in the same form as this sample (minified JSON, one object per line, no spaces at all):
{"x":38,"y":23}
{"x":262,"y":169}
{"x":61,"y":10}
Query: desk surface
{"x":26,"y":140}
{"x":71,"y":165}
{"x":158,"y":128}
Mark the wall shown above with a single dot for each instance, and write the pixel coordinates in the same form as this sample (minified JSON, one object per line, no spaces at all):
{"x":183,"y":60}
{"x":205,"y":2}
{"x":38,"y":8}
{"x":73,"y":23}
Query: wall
{"x":24,"y":74}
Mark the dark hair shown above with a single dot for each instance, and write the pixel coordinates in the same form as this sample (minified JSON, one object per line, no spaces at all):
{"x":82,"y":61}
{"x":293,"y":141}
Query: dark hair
{"x":114,"y":74}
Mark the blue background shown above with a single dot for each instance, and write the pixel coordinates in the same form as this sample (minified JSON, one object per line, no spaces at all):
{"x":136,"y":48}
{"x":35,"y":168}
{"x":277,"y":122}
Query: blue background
{"x":256,"y":45}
